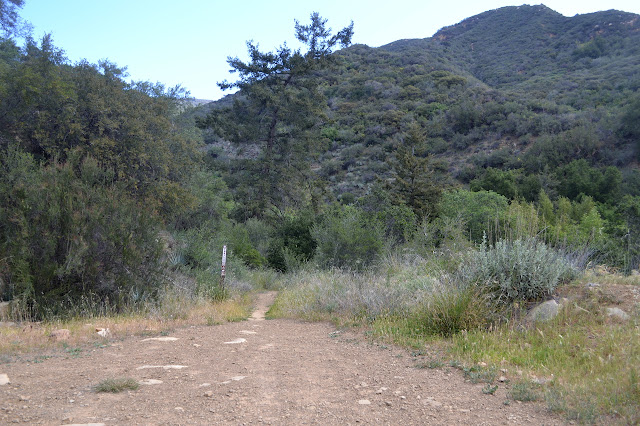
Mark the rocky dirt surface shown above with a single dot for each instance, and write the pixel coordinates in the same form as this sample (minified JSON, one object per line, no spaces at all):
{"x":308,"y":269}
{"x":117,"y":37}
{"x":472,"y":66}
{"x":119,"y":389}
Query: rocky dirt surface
{"x":251,"y":372}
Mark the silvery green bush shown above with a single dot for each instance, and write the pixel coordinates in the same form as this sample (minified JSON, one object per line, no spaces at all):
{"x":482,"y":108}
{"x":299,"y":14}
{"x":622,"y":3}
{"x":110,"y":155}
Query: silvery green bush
{"x":522,"y":269}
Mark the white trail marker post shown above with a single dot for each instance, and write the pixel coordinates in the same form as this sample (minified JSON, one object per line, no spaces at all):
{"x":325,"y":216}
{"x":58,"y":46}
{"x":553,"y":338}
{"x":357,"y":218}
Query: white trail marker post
{"x":224,"y":267}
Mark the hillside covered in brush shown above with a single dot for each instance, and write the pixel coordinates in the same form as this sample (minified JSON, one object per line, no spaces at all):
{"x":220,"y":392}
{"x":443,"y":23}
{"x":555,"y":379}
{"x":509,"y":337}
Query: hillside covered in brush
{"x":524,"y":90}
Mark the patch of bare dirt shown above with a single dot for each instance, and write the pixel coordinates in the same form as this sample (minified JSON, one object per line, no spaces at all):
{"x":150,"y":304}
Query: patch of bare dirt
{"x":259,"y":371}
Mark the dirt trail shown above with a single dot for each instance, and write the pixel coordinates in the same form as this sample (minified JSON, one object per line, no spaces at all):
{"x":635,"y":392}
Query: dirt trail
{"x":252,"y":372}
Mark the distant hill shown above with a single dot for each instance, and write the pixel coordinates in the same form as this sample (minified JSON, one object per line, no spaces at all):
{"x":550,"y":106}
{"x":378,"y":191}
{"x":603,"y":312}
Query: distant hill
{"x":516,"y":88}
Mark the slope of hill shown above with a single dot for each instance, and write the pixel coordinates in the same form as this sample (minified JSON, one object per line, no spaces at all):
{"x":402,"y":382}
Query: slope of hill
{"x":512,"y":88}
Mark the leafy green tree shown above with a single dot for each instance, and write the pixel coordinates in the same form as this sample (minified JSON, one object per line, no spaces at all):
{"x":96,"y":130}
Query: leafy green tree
{"x":347,"y":238}
{"x":578,"y":177}
{"x":500,"y":181}
{"x":9,"y":19}
{"x":67,"y":233}
{"x":292,"y":237}
{"x":630,"y":123}
{"x":279,"y":103}
{"x":479,"y":210}
{"x":53,"y":109}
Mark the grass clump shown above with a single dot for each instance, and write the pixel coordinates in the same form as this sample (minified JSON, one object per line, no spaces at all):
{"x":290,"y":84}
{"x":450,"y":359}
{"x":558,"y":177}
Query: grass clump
{"x":452,"y":310}
{"x":116,"y":385}
{"x":477,"y":374}
{"x":525,"y":391}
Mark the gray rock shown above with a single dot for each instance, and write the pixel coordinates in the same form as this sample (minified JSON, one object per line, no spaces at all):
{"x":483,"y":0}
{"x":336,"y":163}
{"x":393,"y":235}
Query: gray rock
{"x":4,"y":379}
{"x":618,"y":313}
{"x":543,"y":312}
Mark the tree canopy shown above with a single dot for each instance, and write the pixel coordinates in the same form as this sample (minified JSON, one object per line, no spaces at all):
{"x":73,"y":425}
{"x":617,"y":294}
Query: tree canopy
{"x":278,"y":105}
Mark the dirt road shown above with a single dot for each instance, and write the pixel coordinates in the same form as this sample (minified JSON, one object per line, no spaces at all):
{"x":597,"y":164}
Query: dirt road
{"x":252,"y":372}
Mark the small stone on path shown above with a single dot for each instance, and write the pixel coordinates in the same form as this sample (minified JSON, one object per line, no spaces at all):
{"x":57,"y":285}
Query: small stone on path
{"x":364,"y":402}
{"x":161,"y":339}
{"x":165,"y":367}
{"x":150,"y":382}
{"x":86,"y":424}
{"x":248,"y":332}
{"x":236,"y":341}
{"x":4,"y":379}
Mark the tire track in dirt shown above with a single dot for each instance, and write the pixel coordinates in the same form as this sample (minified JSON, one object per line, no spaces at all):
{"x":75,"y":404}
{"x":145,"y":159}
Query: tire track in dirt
{"x":284,"y":372}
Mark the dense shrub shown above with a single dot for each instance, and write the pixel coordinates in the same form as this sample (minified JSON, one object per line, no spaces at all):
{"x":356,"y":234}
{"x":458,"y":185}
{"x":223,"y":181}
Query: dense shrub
{"x":292,"y":243}
{"x":522,"y":269}
{"x":347,"y":238}
{"x":479,"y":210}
{"x":66,"y":232}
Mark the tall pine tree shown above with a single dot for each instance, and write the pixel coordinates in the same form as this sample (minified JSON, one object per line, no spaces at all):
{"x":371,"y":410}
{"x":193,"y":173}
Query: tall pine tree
{"x":277,"y":108}
{"x":414,"y":184}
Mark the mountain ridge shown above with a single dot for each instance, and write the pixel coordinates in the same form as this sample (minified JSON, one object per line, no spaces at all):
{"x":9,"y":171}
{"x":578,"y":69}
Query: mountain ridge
{"x":501,"y":89}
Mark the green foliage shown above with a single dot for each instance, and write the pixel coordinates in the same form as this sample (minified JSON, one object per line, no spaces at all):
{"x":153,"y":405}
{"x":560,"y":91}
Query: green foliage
{"x":630,"y":122}
{"x":241,"y":246}
{"x":452,"y":310}
{"x":10,"y":23}
{"x":591,"y":49}
{"x":92,"y":168}
{"x":576,"y":224}
{"x":526,"y":270}
{"x":347,"y":238}
{"x":279,"y":106}
{"x":414,"y":183}
{"x":292,"y":243}
{"x":578,"y":178}
{"x":525,"y":391}
{"x":478,"y":210}
{"x":68,"y":230}
{"x":398,"y":219}
{"x":53,"y":108}
{"x":207,"y":200}
{"x":499,"y":181}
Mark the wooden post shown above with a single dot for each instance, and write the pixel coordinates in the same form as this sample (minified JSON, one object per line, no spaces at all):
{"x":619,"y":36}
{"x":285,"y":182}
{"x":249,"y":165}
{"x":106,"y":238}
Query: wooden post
{"x":224,"y":266}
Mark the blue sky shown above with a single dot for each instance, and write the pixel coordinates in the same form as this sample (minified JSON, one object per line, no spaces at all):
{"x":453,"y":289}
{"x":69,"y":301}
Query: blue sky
{"x":187,"y":42}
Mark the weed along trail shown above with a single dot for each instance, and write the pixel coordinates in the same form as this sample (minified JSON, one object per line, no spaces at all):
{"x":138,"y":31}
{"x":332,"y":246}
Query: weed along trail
{"x":251,"y":372}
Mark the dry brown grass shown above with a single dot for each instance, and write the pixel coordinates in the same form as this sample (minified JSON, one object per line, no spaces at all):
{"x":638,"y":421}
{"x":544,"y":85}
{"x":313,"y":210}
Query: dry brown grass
{"x":26,"y":337}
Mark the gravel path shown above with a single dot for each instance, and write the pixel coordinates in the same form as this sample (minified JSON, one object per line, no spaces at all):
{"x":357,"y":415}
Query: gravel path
{"x":252,"y":372}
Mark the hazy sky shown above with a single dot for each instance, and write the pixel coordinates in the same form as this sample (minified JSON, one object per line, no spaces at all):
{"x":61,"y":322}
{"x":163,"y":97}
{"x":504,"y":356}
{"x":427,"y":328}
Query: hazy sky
{"x":187,"y":42}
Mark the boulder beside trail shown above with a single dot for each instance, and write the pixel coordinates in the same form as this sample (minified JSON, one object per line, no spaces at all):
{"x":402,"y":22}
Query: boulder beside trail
{"x":545,"y":311}
{"x":617,"y":313}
